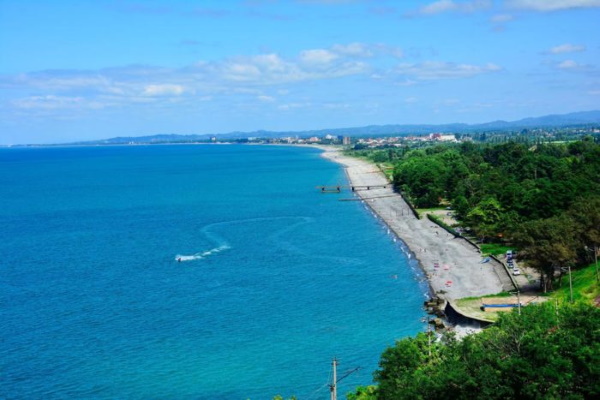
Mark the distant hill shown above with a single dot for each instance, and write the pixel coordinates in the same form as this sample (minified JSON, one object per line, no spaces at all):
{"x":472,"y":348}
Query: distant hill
{"x":549,"y":121}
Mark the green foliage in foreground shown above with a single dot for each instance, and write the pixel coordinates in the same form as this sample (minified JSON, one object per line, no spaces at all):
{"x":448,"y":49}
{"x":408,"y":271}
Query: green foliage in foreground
{"x":547,"y":352}
{"x":363,"y":393}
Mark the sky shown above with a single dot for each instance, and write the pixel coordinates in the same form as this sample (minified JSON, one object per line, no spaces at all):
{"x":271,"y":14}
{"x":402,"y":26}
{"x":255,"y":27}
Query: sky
{"x":73,"y":70}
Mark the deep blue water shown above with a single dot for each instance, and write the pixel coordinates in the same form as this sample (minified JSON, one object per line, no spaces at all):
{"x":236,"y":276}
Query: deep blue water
{"x":275,"y":278}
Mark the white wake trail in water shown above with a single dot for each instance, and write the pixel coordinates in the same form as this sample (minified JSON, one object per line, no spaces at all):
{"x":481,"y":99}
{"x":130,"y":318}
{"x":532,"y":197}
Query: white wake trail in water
{"x":222,"y":244}
{"x":200,"y":255}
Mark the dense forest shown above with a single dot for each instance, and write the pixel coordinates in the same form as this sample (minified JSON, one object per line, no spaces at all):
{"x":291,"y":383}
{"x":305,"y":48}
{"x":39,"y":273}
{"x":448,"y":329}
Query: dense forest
{"x":546,"y":352}
{"x":542,"y":198}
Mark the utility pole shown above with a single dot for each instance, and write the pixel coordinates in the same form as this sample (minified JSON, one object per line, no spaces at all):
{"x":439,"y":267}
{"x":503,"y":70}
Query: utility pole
{"x":333,"y":386}
{"x":596,"y":257}
{"x":570,"y":283}
{"x":595,"y":250}
{"x":427,"y":320}
{"x":518,"y":299}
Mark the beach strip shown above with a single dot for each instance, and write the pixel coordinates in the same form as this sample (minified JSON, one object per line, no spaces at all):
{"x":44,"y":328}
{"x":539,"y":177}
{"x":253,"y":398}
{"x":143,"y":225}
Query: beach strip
{"x":453,"y":267}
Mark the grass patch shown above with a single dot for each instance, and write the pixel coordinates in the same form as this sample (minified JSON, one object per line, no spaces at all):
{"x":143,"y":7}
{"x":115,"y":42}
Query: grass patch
{"x":426,"y":210}
{"x":494,"y":248}
{"x":501,"y":294}
{"x":585,"y":286}
{"x":472,"y":307}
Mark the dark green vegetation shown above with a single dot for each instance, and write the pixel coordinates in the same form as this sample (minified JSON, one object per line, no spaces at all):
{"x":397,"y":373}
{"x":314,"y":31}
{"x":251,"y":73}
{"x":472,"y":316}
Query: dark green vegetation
{"x":547,"y":352}
{"x":543,"y":199}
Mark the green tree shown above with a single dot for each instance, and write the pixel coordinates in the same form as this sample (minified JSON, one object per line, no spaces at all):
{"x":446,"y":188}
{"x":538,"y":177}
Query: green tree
{"x":363,"y":393}
{"x":548,"y":245}
{"x":486,"y":216}
{"x":546,"y":352}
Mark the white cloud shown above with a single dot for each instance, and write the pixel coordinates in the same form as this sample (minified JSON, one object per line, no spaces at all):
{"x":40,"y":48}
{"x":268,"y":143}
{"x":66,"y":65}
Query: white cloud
{"x":266,"y":99}
{"x":568,"y":64}
{"x":336,"y":106}
{"x":292,"y":106}
{"x":61,"y":80}
{"x":317,"y":57}
{"x":241,"y":71}
{"x":353,"y":50}
{"x":362,"y":50}
{"x":163,"y":90}
{"x":52,"y":102}
{"x":438,"y":7}
{"x":234,"y":78}
{"x":566,"y":48}
{"x":442,"y":6}
{"x":552,"y":5}
{"x":271,"y":69}
{"x":574,"y":66}
{"x":442,"y":70}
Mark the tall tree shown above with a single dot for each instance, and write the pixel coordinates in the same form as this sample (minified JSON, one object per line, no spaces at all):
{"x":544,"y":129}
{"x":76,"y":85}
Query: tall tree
{"x":548,"y":245}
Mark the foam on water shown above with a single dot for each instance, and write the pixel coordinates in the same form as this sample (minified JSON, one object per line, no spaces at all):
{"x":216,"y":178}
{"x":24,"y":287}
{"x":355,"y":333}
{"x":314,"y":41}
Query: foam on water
{"x":201,"y":255}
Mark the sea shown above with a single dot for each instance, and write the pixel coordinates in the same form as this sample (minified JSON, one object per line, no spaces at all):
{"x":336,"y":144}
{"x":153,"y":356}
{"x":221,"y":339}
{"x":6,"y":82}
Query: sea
{"x":193,"y":272}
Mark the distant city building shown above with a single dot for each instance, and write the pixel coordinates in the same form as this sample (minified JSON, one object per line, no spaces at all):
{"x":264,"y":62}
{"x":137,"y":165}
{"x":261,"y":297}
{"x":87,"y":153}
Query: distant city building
{"x":345,"y":140}
{"x":213,"y":139}
{"x":442,"y":138}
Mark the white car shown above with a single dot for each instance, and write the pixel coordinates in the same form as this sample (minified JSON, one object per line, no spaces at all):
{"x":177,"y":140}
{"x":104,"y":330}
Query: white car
{"x":516,"y":271}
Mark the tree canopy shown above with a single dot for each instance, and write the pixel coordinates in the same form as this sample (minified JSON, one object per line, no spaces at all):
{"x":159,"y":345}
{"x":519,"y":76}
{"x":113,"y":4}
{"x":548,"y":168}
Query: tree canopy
{"x":546,"y":352}
{"x":544,"y":198}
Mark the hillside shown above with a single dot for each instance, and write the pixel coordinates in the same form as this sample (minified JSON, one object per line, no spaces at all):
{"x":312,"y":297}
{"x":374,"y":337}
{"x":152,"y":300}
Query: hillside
{"x":549,"y":121}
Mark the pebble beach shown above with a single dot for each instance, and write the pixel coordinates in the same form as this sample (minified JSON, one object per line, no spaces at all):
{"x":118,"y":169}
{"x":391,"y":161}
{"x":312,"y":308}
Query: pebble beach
{"x":453,"y":266}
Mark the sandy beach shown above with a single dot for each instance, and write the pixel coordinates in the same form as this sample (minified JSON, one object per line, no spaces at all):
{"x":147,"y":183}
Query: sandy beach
{"x":453,"y":266}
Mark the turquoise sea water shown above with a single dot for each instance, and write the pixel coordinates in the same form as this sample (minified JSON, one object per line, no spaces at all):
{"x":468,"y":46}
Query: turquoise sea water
{"x":275,"y":278}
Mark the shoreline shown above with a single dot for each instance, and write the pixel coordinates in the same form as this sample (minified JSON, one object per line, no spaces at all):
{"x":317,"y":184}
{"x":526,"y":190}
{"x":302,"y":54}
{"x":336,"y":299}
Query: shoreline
{"x":451,"y":265}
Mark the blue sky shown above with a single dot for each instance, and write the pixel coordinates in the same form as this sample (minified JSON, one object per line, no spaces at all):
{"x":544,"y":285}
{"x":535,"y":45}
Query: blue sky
{"x":79,"y":70}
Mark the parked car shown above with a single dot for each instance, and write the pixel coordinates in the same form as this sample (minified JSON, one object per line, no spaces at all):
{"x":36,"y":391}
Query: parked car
{"x":516,"y":271}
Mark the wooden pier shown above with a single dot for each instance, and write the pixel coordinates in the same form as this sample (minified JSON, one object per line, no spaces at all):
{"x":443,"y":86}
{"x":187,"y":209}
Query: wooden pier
{"x":354,"y":188}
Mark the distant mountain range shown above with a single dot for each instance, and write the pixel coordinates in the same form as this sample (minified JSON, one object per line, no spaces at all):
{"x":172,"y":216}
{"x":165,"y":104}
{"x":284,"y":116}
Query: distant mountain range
{"x":584,"y":118}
